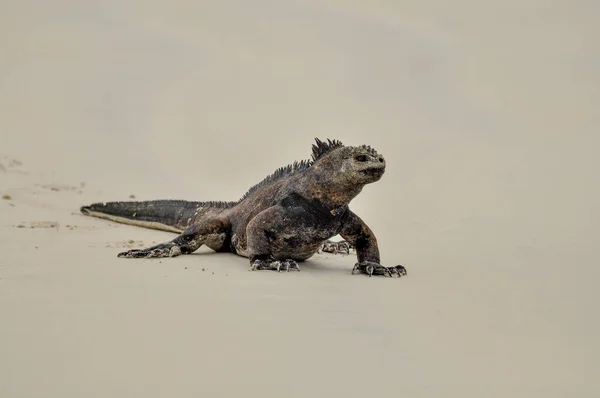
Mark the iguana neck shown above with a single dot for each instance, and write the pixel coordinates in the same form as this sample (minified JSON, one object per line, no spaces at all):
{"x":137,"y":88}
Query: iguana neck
{"x":323,"y":187}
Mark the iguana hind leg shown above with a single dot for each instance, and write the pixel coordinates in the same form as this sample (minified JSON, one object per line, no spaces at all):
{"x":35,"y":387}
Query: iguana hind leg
{"x":212,"y":232}
{"x":280,"y":237}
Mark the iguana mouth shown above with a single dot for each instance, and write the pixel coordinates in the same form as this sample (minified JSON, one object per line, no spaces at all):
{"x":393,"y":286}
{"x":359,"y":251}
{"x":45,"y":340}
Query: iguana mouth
{"x":373,"y":171}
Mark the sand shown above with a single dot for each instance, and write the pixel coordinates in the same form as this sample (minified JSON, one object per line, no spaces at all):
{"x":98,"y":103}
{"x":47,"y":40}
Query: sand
{"x":486,"y":113}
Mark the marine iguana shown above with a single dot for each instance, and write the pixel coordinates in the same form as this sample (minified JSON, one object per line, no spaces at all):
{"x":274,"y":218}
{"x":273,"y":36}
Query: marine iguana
{"x":282,"y":220}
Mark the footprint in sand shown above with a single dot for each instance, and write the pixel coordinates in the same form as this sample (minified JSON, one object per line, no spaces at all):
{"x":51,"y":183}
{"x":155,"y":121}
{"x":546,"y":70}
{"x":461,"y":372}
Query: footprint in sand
{"x":53,"y":224}
{"x":11,"y":165}
{"x":62,"y":188}
{"x":39,"y":224}
{"x":127,"y":244}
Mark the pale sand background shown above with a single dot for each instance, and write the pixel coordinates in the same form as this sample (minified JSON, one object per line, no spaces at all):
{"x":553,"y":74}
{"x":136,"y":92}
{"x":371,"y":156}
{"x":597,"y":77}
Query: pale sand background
{"x":488,"y":116}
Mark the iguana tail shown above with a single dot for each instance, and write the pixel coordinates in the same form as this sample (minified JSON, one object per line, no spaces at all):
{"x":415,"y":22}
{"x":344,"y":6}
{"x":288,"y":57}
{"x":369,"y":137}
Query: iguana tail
{"x":165,"y":215}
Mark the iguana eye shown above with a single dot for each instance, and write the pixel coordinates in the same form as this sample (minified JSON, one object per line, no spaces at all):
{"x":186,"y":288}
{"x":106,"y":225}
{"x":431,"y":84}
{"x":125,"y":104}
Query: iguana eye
{"x":361,"y":158}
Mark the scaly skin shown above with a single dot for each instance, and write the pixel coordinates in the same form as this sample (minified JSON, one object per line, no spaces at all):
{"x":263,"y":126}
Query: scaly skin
{"x":336,"y":247}
{"x":279,"y":222}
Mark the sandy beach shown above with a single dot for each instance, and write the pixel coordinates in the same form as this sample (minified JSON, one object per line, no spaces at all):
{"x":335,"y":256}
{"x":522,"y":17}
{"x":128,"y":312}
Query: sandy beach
{"x":487,"y":116}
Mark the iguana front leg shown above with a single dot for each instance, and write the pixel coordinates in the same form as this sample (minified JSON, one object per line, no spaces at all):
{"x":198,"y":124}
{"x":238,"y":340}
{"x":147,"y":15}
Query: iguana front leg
{"x":211,"y":232}
{"x":358,"y":234}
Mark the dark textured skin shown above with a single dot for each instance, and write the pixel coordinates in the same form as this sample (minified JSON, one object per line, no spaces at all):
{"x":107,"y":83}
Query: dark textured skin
{"x":283,"y":220}
{"x":336,"y":247}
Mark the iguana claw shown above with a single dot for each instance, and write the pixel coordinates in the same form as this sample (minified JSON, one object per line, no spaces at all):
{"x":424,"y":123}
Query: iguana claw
{"x":399,"y":269}
{"x":287,"y":264}
{"x":371,"y":268}
{"x":276,"y":265}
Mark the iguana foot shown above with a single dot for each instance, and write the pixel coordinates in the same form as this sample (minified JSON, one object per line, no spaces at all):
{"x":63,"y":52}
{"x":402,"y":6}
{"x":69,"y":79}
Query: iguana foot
{"x":370,"y":268}
{"x":274,"y":265}
{"x":162,"y":250}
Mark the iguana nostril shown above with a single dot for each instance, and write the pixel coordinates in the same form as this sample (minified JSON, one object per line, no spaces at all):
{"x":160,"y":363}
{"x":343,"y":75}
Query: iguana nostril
{"x":381,"y":159}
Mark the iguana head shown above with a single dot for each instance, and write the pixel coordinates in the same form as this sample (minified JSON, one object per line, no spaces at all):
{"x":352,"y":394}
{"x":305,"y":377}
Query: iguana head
{"x":348,"y":165}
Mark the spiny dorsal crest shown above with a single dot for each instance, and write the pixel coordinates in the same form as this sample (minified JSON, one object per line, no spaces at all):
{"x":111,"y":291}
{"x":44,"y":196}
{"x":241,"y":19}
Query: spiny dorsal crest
{"x":318,"y":150}
{"x":321,"y":148}
{"x":280,"y":172}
